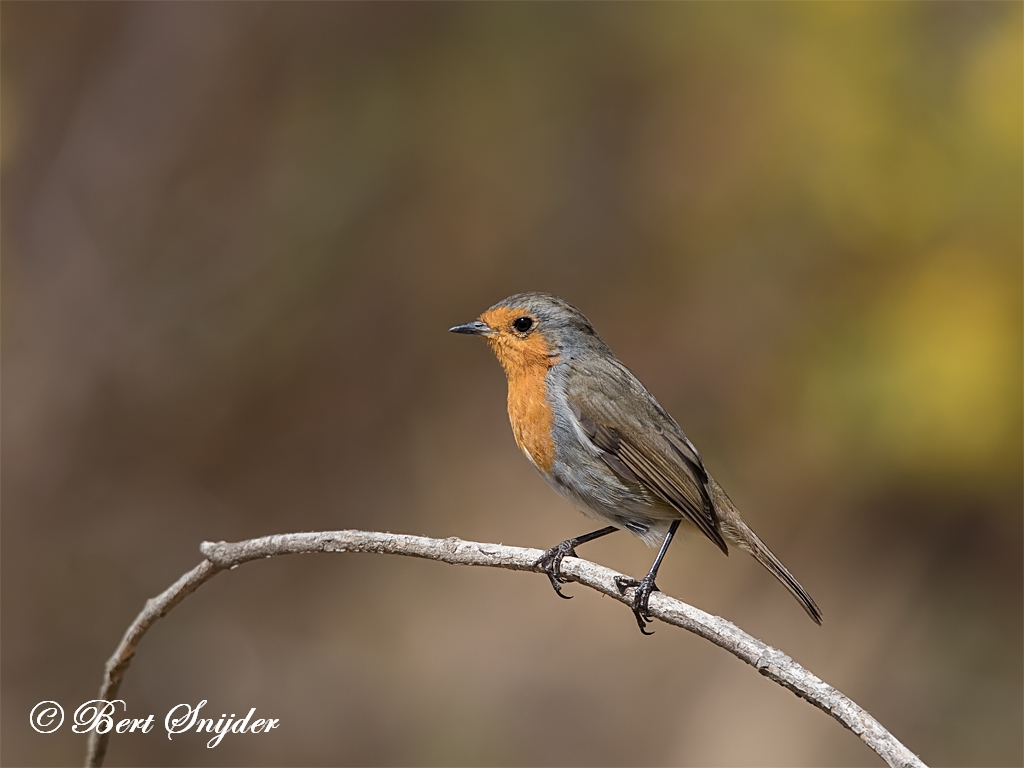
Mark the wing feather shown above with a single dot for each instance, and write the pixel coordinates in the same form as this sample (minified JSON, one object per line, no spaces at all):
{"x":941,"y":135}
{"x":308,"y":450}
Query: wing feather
{"x":646,"y":447}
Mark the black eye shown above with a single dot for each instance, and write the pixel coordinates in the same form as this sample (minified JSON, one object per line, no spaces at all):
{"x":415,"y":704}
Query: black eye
{"x":522,"y":324}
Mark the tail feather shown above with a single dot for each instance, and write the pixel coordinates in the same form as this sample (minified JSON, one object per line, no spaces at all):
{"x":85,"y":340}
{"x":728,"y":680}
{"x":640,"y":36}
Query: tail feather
{"x":736,"y":531}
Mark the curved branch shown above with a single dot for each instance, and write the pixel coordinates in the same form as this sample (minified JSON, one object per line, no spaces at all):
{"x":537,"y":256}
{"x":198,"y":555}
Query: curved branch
{"x":769,"y":661}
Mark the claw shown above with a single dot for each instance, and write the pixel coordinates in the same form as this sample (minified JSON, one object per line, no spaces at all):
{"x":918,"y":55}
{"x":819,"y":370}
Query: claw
{"x":641,"y":598}
{"x":551,"y":564}
{"x":559,"y":592}
{"x":624,"y":583}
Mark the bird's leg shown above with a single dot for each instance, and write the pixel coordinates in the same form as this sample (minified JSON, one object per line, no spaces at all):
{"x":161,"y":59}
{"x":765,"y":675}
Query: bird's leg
{"x":551,"y":561}
{"x":646,"y":585}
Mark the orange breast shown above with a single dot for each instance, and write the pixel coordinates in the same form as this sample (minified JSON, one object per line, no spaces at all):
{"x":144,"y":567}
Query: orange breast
{"x":532,"y":417}
{"x":526,"y":363}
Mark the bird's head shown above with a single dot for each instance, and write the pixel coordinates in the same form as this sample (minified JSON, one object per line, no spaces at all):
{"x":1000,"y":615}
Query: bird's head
{"x":528,"y":330}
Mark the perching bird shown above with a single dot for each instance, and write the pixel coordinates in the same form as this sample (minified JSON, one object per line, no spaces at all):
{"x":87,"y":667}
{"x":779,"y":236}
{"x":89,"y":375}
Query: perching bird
{"x":601,"y":440}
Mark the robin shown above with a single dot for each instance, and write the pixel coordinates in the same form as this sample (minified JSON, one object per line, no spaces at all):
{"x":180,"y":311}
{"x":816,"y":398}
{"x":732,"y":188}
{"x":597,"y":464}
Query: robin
{"x":601,"y":440}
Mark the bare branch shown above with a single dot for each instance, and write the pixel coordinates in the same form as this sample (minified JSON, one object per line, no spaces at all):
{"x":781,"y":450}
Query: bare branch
{"x":769,"y":661}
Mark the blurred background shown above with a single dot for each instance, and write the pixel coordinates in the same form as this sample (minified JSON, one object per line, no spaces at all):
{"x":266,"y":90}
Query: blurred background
{"x":234,"y":237}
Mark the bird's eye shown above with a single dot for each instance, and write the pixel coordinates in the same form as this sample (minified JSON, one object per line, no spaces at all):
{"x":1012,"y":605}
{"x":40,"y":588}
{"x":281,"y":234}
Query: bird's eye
{"x":522,"y":324}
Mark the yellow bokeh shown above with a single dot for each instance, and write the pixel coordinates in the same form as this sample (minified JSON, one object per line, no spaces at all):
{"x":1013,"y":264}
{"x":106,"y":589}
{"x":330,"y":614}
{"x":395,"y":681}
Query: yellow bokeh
{"x":930,"y":379}
{"x":993,"y":84}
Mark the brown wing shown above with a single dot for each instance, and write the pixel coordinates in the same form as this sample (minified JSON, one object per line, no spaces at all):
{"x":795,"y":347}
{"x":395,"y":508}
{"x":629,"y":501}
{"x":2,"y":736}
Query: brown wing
{"x":645,"y":447}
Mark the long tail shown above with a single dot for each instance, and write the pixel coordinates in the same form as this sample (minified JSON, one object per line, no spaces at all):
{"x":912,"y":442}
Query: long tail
{"x":737,"y":532}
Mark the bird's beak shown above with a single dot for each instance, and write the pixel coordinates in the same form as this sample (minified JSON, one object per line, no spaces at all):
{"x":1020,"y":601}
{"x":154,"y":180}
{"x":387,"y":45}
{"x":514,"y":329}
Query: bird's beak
{"x":476,"y":328}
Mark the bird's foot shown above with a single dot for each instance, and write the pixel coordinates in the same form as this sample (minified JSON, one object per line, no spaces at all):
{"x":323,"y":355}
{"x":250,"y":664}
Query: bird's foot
{"x":641,"y":598}
{"x":551,"y":564}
